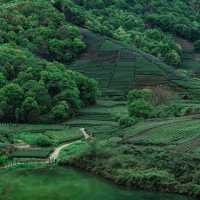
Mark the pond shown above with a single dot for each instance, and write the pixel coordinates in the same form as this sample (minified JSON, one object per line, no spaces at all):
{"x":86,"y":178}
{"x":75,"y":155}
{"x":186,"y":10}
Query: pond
{"x":67,"y":184}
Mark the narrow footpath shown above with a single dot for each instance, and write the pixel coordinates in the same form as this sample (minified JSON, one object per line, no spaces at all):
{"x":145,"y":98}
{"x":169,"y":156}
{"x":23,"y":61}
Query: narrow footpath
{"x":52,"y":158}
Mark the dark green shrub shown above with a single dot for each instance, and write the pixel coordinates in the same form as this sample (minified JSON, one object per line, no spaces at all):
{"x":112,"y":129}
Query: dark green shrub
{"x":173,"y":58}
{"x":145,"y":94}
{"x":140,"y":103}
{"x":197,"y":46}
{"x":44,"y":141}
{"x":140,"y":108}
{"x":61,"y":111}
{"x":3,"y":159}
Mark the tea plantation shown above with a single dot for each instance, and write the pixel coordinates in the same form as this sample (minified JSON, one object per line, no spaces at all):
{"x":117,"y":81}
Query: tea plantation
{"x":119,"y":68}
{"x":112,"y":68}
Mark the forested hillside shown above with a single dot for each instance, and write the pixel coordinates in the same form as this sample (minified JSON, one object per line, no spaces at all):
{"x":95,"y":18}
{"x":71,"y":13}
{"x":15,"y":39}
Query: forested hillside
{"x":147,"y":24}
{"x":35,"y":87}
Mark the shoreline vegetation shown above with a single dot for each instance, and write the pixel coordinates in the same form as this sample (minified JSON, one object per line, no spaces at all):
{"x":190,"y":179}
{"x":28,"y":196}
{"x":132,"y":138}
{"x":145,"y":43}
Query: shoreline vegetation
{"x":142,"y":183}
{"x":30,"y":178}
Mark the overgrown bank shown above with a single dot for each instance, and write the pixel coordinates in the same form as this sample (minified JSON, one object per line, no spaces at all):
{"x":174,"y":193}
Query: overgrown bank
{"x":153,"y":167}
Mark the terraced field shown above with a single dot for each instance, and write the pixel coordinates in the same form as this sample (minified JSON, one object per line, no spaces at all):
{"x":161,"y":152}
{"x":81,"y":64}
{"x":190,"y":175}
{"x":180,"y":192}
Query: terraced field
{"x":180,"y":134}
{"x":118,"y":67}
{"x":38,"y":153}
{"x":100,"y":119}
{"x":35,"y":141}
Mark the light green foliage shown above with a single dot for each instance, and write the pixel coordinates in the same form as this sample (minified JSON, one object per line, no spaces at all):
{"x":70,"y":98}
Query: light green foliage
{"x":88,"y":88}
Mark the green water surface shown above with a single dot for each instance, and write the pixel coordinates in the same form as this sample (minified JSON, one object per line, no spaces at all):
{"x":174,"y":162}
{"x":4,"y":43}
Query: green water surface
{"x":67,"y":184}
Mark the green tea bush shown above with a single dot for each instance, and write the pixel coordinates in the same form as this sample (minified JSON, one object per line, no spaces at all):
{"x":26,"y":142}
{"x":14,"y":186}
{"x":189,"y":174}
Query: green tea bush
{"x":140,"y":109}
{"x":145,"y":94}
{"x":125,"y":122}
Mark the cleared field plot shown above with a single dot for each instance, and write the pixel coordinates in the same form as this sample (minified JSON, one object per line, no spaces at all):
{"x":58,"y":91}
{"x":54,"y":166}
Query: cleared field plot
{"x":32,"y":153}
{"x":150,"y":80}
{"x":84,"y":123}
{"x":54,"y":136}
{"x":31,"y":134}
{"x":65,"y":135}
{"x":109,"y":103}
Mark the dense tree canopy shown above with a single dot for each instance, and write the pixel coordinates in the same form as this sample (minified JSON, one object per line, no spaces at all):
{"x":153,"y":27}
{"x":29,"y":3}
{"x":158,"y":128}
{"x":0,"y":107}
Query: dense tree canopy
{"x":35,"y":42}
{"x":34,"y":90}
{"x":38,"y":26}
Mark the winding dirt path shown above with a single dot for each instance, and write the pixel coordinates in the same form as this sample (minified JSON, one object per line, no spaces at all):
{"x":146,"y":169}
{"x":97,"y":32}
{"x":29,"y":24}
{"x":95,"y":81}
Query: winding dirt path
{"x":85,"y":134}
{"x":52,"y":157}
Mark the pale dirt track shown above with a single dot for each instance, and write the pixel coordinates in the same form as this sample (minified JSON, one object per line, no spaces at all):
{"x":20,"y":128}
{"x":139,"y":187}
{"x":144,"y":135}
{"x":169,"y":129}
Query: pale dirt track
{"x":52,"y":157}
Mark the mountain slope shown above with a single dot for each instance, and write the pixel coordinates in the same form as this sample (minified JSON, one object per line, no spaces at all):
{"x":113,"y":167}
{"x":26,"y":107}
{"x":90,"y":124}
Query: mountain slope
{"x":119,"y":67}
